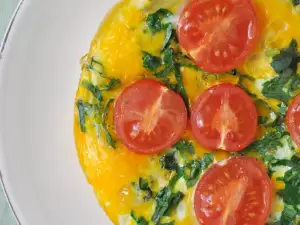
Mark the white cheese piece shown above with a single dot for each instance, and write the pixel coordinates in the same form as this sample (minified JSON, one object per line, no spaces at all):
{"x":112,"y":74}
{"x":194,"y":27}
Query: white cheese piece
{"x":181,"y":211}
{"x":125,"y":219}
{"x":284,"y":152}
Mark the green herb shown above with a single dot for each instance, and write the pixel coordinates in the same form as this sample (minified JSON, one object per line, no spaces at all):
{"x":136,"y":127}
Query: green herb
{"x":96,"y":67}
{"x":166,"y":201}
{"x":110,"y":141}
{"x":169,"y":33}
{"x":184,"y":147}
{"x":291,"y":193}
{"x":288,"y":216}
{"x":155,"y":20}
{"x":274,"y":87}
{"x":144,"y":186}
{"x":169,"y":67}
{"x":270,"y":143}
{"x":285,"y":65}
{"x":82,"y":114}
{"x":93,"y":89}
{"x":195,"y":168}
{"x":294,"y":86}
{"x":169,"y":162}
{"x":139,"y":220}
{"x":150,"y":62}
{"x":111,"y":85}
{"x":296,"y":2}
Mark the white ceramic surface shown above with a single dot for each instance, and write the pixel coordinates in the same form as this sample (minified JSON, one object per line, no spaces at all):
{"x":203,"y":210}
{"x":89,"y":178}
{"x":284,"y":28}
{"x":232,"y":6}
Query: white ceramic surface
{"x":39,"y":72}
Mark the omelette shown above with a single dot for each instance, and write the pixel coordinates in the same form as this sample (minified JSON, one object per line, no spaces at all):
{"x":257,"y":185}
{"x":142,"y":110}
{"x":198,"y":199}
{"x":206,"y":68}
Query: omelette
{"x":188,"y":112}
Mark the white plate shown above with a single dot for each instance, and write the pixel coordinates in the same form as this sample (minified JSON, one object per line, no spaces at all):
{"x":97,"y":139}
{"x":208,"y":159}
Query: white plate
{"x":39,"y":72}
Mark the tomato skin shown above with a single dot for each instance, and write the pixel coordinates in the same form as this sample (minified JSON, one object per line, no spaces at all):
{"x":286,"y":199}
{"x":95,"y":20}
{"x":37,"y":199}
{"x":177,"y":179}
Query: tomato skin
{"x":149,"y":117}
{"x":293,"y":120}
{"x":224,"y":117}
{"x":218,"y":34}
{"x":236,"y":191}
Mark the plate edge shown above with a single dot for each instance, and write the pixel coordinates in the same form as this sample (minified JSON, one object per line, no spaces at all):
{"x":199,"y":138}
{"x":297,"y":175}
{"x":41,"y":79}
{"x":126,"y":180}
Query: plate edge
{"x":2,"y":47}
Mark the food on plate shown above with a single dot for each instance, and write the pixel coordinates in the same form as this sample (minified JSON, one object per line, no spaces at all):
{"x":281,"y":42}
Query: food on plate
{"x":188,"y":112}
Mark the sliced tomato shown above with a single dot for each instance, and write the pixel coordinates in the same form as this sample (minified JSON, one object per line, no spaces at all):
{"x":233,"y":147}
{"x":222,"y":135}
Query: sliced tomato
{"x":234,"y":192}
{"x":149,"y":117}
{"x":293,"y":120}
{"x":218,"y":34}
{"x":224,"y":117}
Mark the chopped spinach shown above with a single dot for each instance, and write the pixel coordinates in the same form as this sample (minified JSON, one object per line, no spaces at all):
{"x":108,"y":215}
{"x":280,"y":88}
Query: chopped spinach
{"x":184,"y":147}
{"x":166,"y":201}
{"x":288,"y":216}
{"x":150,"y":62}
{"x":285,"y":64}
{"x":169,"y":67}
{"x":93,"y":89}
{"x":195,"y":168}
{"x":296,"y":2}
{"x":169,"y":33}
{"x":269,"y":143}
{"x":291,"y":193}
{"x":82,"y":114}
{"x":169,"y":161}
{"x":143,"y":185}
{"x":111,"y":85}
{"x":155,"y":20}
{"x":110,"y":141}
{"x":96,"y":66}
{"x":139,"y":220}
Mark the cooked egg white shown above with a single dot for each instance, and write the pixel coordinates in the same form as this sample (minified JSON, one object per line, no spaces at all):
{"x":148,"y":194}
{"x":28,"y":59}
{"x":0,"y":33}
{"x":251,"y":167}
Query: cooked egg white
{"x":118,"y":44}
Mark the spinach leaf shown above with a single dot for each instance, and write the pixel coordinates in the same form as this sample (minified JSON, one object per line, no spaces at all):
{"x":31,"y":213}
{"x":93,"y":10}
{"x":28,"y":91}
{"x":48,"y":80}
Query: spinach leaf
{"x":144,"y":186}
{"x":155,"y":20}
{"x":96,"y":67}
{"x":169,"y":67}
{"x":296,"y":2}
{"x":166,"y":201}
{"x":169,"y":33}
{"x":195,"y":168}
{"x":184,"y":147}
{"x":294,"y":86}
{"x":93,"y":89}
{"x":288,"y":216}
{"x":111,"y":85}
{"x":291,"y":193}
{"x":110,"y":141}
{"x":285,"y":65}
{"x":150,"y":62}
{"x":169,"y":161}
{"x":269,"y":143}
{"x":82,"y":114}
{"x":139,"y":220}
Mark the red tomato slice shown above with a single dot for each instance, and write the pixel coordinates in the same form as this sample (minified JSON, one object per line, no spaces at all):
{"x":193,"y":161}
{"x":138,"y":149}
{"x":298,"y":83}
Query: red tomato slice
{"x":149,"y":117}
{"x":224,"y":117}
{"x":293,"y":120}
{"x":236,"y":191}
{"x":218,"y":34}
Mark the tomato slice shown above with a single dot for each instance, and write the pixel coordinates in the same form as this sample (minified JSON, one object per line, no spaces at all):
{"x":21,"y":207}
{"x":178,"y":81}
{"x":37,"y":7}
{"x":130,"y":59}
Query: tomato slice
{"x":224,"y":117}
{"x":234,"y":192}
{"x":218,"y":34}
{"x":293,"y":120}
{"x":149,"y":117}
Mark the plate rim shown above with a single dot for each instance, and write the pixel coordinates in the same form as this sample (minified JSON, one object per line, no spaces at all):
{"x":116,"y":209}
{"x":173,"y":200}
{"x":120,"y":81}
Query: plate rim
{"x":2,"y":48}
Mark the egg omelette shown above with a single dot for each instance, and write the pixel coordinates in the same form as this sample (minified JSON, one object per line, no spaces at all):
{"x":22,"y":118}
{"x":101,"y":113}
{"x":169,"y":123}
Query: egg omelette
{"x":187,"y":112}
